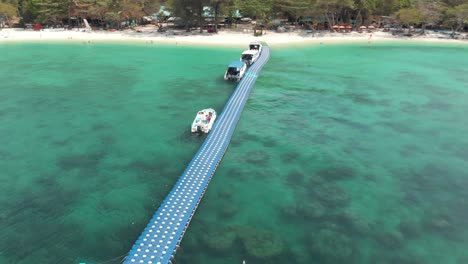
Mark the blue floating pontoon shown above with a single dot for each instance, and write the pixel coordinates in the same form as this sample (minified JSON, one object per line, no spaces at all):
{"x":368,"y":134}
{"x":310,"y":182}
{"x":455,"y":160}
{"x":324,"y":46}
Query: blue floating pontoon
{"x":160,"y":239}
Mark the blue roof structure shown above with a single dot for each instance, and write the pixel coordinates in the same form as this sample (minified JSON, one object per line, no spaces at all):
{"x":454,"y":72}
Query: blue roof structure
{"x":236,"y":64}
{"x":160,"y":239}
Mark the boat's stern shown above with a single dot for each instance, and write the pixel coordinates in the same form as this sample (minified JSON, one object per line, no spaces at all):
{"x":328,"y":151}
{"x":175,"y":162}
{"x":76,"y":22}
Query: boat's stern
{"x":202,"y":124}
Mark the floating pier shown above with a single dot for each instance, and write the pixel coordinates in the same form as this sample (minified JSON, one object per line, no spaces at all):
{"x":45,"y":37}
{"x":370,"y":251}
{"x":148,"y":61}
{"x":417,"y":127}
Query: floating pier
{"x":160,"y":239}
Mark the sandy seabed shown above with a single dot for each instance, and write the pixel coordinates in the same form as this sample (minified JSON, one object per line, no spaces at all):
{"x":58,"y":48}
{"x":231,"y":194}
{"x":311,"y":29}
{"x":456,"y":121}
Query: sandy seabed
{"x":223,"y":38}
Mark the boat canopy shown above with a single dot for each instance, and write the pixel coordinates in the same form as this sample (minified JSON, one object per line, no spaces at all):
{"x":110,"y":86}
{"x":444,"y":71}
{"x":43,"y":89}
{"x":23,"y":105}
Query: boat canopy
{"x":236,"y":64}
{"x":255,"y":45}
{"x":250,"y":52}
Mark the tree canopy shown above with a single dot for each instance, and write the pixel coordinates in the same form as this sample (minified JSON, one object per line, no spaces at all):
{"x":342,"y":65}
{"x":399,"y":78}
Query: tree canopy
{"x":7,"y":10}
{"x":447,"y":13}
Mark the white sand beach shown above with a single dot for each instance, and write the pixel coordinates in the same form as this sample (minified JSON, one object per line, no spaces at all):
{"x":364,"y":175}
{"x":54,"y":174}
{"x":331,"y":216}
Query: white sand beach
{"x":149,"y":35}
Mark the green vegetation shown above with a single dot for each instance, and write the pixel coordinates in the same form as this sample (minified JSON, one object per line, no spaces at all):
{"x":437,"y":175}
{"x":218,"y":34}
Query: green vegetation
{"x":451,"y":14}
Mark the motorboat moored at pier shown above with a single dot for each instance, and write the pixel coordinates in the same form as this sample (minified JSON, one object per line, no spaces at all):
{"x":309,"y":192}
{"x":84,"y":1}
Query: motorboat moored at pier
{"x":235,"y":71}
{"x":249,"y":56}
{"x":204,"y":121}
{"x":255,"y":46}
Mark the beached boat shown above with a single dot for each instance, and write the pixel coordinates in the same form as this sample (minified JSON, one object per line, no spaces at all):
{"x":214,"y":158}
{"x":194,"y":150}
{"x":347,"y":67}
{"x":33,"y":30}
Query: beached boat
{"x":235,"y":71}
{"x":203,"y":121}
{"x":250,"y":56}
{"x":256,"y":46}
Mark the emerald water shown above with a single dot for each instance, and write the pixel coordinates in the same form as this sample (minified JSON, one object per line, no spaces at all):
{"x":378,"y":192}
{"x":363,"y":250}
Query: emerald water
{"x":344,"y":153}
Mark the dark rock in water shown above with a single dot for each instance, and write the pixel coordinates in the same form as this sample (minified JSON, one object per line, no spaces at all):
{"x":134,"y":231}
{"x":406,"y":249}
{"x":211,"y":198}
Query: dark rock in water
{"x":330,"y":246}
{"x":225,"y":194}
{"x":395,"y":126}
{"x":289,"y":157}
{"x":410,"y":229}
{"x":246,"y":137}
{"x":336,"y":173}
{"x":228,"y":210}
{"x":386,"y":114}
{"x":352,"y":222}
{"x":315,"y":180}
{"x":289,"y":212}
{"x":61,"y":142}
{"x":409,"y":150}
{"x":264,"y":173}
{"x":330,"y":195}
{"x":147,"y":170}
{"x":107,"y":140}
{"x":220,"y":241}
{"x":351,"y":124}
{"x":311,"y":210}
{"x":295,"y":178}
{"x":260,"y":244}
{"x":100,"y":126}
{"x":406,"y":259}
{"x":143,"y":166}
{"x":437,"y":104}
{"x":269,"y":142}
{"x":440,"y":223}
{"x":80,"y":161}
{"x":430,"y":179}
{"x":237,"y":173}
{"x":235,"y":142}
{"x":190,"y":244}
{"x":390,"y":239}
{"x":257,"y":157}
{"x":5,"y":155}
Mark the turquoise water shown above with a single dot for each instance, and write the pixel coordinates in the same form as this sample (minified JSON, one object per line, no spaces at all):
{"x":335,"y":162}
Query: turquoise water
{"x":355,"y":154}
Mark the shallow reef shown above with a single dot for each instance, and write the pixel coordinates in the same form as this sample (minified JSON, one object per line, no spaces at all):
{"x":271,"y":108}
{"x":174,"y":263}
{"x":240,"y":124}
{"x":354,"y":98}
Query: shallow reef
{"x":336,"y":172}
{"x":331,"y":246}
{"x":228,"y":210}
{"x":295,"y":178}
{"x":259,"y":157}
{"x":289,"y":157}
{"x":219,"y":240}
{"x":392,"y":240}
{"x":261,"y":244}
{"x":330,"y":195}
{"x":80,"y":161}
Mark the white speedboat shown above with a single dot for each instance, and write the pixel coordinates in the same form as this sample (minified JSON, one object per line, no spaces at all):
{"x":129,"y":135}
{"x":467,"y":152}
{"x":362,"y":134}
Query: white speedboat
{"x":204,"y":120}
{"x":249,"y":56}
{"x":235,"y":71}
{"x":256,"y":46}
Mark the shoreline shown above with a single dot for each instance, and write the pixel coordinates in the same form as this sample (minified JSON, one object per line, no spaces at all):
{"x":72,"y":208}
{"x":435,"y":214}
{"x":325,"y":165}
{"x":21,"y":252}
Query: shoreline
{"x":223,"y":38}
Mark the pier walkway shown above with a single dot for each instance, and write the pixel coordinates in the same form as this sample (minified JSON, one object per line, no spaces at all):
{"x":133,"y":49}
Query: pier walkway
{"x":160,"y":239}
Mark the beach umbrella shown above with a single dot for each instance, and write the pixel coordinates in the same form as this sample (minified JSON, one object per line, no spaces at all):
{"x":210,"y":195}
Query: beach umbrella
{"x":335,"y":26}
{"x":348,"y":27}
{"x":342,"y":27}
{"x":371,"y":27}
{"x":362,"y":27}
{"x":37,"y":27}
